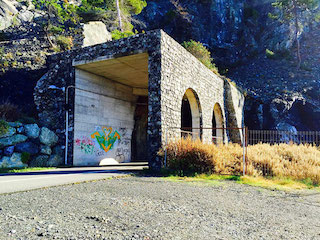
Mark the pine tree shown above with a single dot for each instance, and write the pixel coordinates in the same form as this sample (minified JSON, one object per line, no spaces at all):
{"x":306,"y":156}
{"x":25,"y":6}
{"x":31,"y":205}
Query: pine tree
{"x":292,"y":10}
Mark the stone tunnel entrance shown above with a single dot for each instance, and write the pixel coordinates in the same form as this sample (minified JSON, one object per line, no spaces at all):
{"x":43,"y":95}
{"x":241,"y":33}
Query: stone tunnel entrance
{"x":111,"y":110}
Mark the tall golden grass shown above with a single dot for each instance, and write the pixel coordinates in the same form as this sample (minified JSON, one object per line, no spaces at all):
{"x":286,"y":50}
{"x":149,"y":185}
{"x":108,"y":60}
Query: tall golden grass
{"x":299,"y":162}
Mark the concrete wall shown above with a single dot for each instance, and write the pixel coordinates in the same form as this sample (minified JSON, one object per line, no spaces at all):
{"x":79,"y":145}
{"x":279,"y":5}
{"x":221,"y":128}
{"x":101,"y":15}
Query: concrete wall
{"x":182,"y":71}
{"x":97,"y":115}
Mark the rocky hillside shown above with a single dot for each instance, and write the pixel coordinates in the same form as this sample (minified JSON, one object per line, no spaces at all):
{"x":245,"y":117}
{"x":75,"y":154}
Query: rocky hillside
{"x":280,"y":95}
{"x":238,"y":33}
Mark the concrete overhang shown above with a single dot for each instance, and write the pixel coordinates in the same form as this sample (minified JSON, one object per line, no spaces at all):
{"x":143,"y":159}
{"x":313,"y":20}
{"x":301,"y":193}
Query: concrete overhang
{"x":129,"y":70}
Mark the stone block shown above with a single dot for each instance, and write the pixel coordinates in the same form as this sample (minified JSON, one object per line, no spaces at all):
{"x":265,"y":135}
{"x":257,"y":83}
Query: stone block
{"x":55,"y":161}
{"x":8,"y":151}
{"x":11,"y":131}
{"x":13,"y":140}
{"x":48,"y":137}
{"x":39,"y":161}
{"x":45,"y":149}
{"x":32,"y":130}
{"x":28,"y":147}
{"x":14,"y":161}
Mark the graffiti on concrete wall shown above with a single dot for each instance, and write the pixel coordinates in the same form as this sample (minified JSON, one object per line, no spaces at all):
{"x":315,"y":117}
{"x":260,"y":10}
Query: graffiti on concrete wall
{"x":107,"y":138}
{"x":123,"y":152}
{"x":85,"y":144}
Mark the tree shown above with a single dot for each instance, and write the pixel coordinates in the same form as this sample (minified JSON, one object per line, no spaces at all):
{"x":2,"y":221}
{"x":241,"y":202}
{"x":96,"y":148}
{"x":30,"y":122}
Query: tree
{"x":292,"y":10}
{"x":119,"y":15}
{"x":119,"y":11}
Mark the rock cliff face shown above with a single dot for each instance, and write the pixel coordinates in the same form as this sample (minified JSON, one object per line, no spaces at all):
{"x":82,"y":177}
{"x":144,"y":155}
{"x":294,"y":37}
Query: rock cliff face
{"x":238,"y":33}
{"x":215,"y":23}
{"x":24,"y":48}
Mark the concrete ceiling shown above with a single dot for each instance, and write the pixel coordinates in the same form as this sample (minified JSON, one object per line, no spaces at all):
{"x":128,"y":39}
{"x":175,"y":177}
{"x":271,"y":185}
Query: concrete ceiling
{"x":130,"y":70}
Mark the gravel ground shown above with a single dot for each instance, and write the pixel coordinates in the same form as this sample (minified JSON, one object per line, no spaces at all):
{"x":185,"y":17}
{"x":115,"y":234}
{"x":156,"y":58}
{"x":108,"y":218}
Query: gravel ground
{"x":154,"y":208}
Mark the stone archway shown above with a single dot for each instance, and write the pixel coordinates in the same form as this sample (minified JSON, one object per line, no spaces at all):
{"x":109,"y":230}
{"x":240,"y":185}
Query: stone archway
{"x":191,"y":115}
{"x":217,"y":124}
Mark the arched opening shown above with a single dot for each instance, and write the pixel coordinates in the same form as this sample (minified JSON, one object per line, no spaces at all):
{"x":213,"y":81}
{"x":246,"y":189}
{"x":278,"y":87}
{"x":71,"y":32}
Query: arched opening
{"x":217,"y":124}
{"x":191,"y":121}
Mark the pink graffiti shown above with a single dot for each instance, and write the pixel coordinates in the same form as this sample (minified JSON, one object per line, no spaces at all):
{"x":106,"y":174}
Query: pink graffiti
{"x":86,"y":145}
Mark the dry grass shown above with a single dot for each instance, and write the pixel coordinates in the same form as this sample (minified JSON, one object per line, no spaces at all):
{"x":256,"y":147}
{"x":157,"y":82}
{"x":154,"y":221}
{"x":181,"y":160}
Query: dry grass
{"x":299,"y":162}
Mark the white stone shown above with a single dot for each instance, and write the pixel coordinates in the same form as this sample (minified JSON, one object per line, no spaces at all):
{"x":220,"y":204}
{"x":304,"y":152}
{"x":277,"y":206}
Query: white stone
{"x":95,"y":33}
{"x":108,"y":161}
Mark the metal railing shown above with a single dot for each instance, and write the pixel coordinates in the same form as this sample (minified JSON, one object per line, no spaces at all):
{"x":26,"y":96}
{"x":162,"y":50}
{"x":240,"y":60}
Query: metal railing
{"x":288,"y":137}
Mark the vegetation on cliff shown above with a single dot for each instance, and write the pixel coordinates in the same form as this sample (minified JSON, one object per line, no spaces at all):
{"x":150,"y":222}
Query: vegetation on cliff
{"x":294,"y":11}
{"x":198,"y":50}
{"x":63,"y":17}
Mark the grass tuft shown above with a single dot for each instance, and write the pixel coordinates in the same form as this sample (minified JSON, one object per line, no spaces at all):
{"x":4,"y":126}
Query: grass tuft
{"x":25,"y":169}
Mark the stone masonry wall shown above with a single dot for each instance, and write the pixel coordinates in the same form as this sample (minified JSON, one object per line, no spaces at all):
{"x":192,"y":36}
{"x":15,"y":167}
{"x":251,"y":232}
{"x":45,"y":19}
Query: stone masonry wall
{"x":23,"y":145}
{"x":181,"y":71}
{"x":234,"y":101}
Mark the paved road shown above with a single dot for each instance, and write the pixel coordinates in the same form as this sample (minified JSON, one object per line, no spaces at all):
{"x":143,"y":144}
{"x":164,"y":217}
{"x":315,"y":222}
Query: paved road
{"x":10,"y":183}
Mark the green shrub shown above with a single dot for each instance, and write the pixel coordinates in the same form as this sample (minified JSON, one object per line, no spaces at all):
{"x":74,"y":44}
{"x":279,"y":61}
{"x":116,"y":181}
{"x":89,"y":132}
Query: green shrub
{"x":198,"y":50}
{"x":2,"y":59}
{"x":270,"y":54}
{"x":317,"y":17}
{"x":4,"y":127}
{"x":55,"y":29}
{"x":92,"y":14}
{"x":65,"y":43}
{"x":25,"y":157}
{"x":279,"y":54}
{"x":116,"y":34}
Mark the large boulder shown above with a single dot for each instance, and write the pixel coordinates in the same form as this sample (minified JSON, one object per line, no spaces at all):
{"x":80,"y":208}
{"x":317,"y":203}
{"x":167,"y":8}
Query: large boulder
{"x":14,"y":161}
{"x":25,"y":16}
{"x":13,"y":140}
{"x":95,"y":32}
{"x":32,"y":130}
{"x":44,"y":149}
{"x":55,"y":161}
{"x":48,"y":137}
{"x":8,"y":151}
{"x":7,"y":11}
{"x":28,"y":147}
